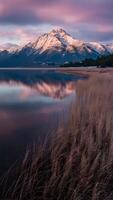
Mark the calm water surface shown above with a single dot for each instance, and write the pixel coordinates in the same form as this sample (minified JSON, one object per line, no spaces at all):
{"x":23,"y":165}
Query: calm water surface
{"x":32,"y":103}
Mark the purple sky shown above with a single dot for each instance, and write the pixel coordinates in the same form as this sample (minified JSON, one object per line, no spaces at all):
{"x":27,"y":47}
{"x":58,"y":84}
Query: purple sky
{"x":23,"y":20}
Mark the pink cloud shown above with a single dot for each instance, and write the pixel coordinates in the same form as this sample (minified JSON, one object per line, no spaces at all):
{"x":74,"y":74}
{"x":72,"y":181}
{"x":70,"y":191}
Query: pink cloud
{"x":79,"y":15}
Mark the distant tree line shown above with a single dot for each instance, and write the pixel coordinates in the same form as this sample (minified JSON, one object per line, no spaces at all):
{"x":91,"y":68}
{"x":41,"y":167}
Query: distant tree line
{"x":104,"y":61}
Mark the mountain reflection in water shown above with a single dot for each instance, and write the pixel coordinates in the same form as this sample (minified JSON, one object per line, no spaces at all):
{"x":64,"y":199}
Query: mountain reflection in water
{"x":11,"y":90}
{"x":31,"y":106}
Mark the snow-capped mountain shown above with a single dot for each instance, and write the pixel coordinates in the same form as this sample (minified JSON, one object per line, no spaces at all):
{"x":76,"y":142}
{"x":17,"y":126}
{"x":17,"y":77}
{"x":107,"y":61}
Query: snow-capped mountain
{"x":54,"y":48}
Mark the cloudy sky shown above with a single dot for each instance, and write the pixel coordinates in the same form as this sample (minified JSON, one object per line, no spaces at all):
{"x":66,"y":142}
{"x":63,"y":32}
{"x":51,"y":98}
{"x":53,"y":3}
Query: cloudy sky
{"x":23,"y":20}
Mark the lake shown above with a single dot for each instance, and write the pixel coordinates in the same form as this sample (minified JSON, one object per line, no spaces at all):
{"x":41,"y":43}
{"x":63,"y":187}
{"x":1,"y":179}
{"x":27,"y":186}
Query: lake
{"x":32,"y":104}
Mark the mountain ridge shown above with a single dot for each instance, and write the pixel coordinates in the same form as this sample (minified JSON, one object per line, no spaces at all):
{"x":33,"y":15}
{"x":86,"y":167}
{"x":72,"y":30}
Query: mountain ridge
{"x":54,"y":48}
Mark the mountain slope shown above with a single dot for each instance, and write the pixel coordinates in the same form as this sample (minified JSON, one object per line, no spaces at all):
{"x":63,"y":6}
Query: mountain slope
{"x":54,"y":48}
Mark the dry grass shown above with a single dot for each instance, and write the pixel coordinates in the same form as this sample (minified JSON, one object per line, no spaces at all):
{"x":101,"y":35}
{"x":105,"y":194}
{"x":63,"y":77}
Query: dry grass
{"x":77,"y":164}
{"x":88,"y":72}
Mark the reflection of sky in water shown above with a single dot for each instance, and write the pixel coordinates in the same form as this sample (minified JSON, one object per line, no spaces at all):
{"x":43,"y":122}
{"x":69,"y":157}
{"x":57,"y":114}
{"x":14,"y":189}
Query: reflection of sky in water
{"x":24,"y":107}
{"x":41,"y":92}
{"x":29,"y":112}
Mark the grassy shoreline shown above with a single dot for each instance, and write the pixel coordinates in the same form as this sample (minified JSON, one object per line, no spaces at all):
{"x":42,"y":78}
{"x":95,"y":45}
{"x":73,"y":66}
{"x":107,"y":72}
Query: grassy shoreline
{"x":87,"y":71}
{"x":77,"y":163}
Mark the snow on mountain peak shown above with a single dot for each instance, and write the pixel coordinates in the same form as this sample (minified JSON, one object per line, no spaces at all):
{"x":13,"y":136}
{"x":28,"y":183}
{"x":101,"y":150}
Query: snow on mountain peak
{"x":59,"y":47}
{"x":58,"y":40}
{"x":58,"y":31}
